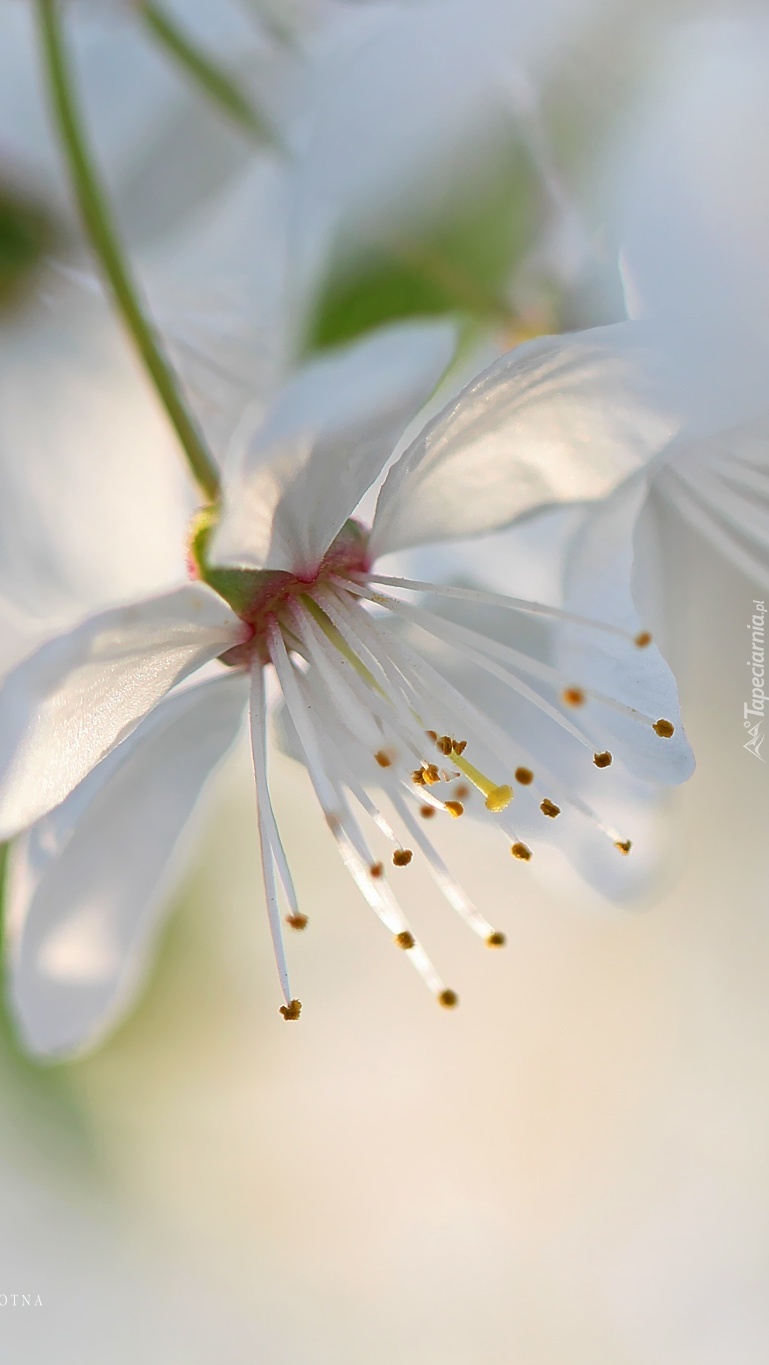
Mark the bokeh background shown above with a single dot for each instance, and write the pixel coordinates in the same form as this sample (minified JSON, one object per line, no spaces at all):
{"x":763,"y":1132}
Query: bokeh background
{"x":572,"y":1168}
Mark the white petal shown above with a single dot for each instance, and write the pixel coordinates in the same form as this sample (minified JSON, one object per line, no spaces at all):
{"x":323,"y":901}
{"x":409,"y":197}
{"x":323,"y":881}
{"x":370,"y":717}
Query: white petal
{"x":598,"y":581}
{"x":70,"y":702}
{"x":87,"y":884}
{"x":561,"y":418}
{"x":322,"y":445}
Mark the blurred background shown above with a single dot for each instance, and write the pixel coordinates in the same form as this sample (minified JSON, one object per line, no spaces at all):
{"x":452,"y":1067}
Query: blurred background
{"x":572,"y":1168}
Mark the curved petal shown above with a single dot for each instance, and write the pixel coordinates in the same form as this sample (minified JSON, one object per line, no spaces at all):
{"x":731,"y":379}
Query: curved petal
{"x":87,"y":884}
{"x":322,"y":445}
{"x":559,"y":419}
{"x":599,"y":582}
{"x":65,"y":706}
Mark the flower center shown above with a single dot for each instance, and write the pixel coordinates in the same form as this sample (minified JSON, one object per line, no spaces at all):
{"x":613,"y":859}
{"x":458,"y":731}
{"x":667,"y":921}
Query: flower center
{"x":258,"y":596}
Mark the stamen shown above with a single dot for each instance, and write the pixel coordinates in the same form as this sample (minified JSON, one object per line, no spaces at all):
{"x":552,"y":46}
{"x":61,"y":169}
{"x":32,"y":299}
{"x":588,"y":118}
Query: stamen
{"x":624,"y":845}
{"x":297,"y":921}
{"x":359,"y":633}
{"x":521,"y":851}
{"x":525,"y":776}
{"x":496,"y":940}
{"x":603,"y":760}
{"x":454,"y":808}
{"x":266,"y":825}
{"x":383,"y":759}
{"x":405,"y":940}
{"x":451,"y":889}
{"x":486,"y":651}
{"x":494,"y":599}
{"x":402,"y":857}
{"x":301,"y":720}
{"x":549,"y":808}
{"x":353,"y":850}
{"x":292,"y":1010}
{"x":427,"y":812}
{"x":448,"y":999}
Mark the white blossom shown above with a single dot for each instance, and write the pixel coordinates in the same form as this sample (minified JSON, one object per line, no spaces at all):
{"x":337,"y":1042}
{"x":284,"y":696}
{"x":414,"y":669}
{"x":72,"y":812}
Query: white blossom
{"x":103,"y":754}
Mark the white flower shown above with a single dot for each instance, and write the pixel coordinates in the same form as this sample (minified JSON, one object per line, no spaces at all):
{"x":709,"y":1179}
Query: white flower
{"x":103,"y":755}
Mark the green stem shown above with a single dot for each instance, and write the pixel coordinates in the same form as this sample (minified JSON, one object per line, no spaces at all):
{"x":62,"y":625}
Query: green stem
{"x":216,"y":83}
{"x":106,"y":243}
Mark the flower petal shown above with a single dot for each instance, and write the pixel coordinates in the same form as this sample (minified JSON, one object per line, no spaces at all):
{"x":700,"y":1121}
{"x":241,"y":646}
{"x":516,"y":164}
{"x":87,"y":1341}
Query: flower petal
{"x":559,"y":419}
{"x":322,"y":445}
{"x":87,"y":884}
{"x":65,"y":706}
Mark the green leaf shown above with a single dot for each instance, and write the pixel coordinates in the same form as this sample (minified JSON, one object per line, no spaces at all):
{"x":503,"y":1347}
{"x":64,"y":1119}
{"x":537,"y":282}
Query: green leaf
{"x":455,"y":257}
{"x":27,"y":234}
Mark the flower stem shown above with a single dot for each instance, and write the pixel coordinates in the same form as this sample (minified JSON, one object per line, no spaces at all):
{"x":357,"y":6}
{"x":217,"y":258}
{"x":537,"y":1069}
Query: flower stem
{"x":105,"y":240}
{"x":216,"y":83}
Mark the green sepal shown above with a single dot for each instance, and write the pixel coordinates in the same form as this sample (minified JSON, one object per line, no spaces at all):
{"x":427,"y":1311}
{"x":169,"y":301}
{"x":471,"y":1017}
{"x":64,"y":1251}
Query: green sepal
{"x":240,"y":588}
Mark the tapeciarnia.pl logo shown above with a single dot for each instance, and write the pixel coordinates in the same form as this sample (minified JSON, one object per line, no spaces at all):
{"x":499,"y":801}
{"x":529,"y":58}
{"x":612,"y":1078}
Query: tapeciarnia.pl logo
{"x":754,"y":711}
{"x":20,"y":1301}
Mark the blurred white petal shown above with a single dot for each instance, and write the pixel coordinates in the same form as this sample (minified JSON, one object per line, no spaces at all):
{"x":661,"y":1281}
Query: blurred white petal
{"x":77,"y":696}
{"x":323,"y":443}
{"x":559,"y":419}
{"x":88,"y":883}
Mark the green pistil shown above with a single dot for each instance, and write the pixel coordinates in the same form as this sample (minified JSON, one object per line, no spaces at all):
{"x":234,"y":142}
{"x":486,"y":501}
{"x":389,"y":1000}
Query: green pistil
{"x":339,"y":642}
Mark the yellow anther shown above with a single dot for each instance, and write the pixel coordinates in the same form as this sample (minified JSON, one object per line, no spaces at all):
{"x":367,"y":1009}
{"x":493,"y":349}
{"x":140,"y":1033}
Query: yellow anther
{"x":664,"y":728}
{"x":405,"y":940}
{"x":524,"y":775}
{"x":433,"y":735}
{"x":383,"y":759}
{"x":449,"y":999}
{"x":445,"y":744}
{"x":292,"y":1010}
{"x":573,"y":696}
{"x":455,"y":808}
{"x":643,"y":639}
{"x":521,"y":851}
{"x":427,"y":812}
{"x":603,"y":760}
{"x":376,"y":870}
{"x":297,"y":921}
{"x":549,"y":808}
{"x":418,"y":777}
{"x":459,"y":746}
{"x":402,"y":857}
{"x":496,"y":940}
{"x":624,"y":845}
{"x":431,"y":774}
